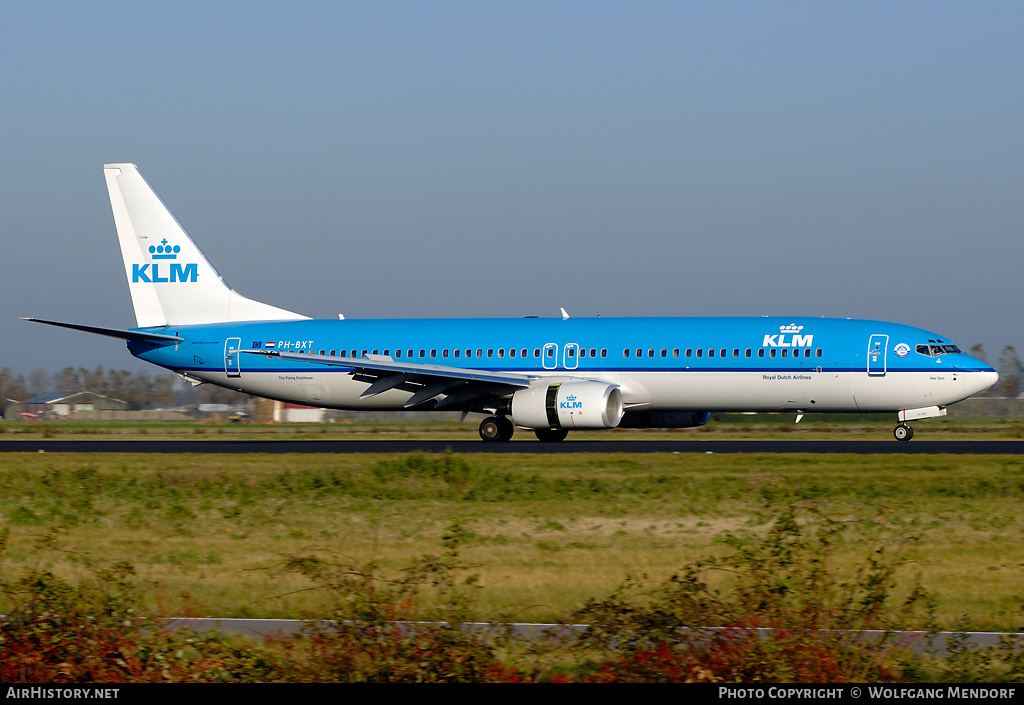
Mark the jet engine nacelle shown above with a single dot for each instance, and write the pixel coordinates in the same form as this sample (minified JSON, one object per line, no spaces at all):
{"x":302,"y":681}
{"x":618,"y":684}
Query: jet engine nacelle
{"x":569,"y":405}
{"x":665,"y":419}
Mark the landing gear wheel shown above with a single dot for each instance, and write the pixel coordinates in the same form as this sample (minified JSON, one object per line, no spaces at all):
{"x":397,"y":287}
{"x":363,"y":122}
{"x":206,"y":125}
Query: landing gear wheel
{"x":903,"y":432}
{"x":489,"y":431}
{"x":496,"y":428}
{"x":505,"y":428}
{"x":551,"y":435}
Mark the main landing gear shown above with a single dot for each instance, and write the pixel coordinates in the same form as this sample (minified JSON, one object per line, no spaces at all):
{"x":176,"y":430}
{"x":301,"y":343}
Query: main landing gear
{"x":496,"y":428}
{"x":903,"y":432}
{"x":551,"y":435}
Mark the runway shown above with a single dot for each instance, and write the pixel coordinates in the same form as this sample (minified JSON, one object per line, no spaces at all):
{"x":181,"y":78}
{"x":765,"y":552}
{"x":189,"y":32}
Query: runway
{"x":918,"y":642}
{"x":880,"y":447}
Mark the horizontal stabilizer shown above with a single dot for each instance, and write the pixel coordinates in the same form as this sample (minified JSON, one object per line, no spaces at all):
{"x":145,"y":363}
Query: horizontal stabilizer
{"x":113,"y":332}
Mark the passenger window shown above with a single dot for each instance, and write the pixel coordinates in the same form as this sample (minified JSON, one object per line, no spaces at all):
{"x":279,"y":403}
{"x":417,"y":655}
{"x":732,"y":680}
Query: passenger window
{"x":689,"y":352}
{"x":675,"y":352}
{"x":332,"y":353}
{"x":511,"y":352}
{"x":536,"y":352}
{"x":785,"y":352}
{"x":625,"y":352}
{"x":522,"y":353}
{"x":746,"y":353}
{"x":571,"y":352}
{"x":423,"y":353}
{"x":490,"y":352}
{"x":444,"y":353}
{"x":700,"y":352}
{"x":479,"y":352}
{"x":456,"y":352}
{"x":433,"y":353}
{"x":593,"y":352}
{"x":650,"y":353}
{"x":711,"y":352}
{"x":817,"y":353}
{"x":771,"y":353}
{"x":760,"y":352}
{"x":664,"y":352}
{"x":604,"y":352}
{"x":550,"y":352}
{"x":639,"y":352}
{"x":735,"y":352}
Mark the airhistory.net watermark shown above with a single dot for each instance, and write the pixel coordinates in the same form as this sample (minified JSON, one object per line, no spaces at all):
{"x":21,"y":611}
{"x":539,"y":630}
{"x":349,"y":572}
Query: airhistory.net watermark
{"x":55,"y":693}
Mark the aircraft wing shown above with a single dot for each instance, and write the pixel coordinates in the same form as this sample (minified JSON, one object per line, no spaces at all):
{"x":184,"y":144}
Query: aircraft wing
{"x":461,"y":386}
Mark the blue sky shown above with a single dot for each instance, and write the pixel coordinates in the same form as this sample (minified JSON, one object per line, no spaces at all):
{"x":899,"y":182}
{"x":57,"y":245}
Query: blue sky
{"x":432,"y":159}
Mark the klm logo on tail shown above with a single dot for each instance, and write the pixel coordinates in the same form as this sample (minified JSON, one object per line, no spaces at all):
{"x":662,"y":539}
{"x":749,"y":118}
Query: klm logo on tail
{"x":150,"y":273}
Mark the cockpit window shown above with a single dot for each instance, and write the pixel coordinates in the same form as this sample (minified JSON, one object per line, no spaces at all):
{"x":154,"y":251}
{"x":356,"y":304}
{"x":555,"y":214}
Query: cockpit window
{"x":936,"y":350}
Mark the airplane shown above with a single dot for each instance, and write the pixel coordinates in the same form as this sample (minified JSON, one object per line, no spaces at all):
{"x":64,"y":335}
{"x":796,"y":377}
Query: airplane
{"x":546,"y":375}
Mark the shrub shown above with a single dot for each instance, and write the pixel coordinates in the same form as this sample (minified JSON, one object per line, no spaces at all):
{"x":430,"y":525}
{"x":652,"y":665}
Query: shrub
{"x":780,"y":611}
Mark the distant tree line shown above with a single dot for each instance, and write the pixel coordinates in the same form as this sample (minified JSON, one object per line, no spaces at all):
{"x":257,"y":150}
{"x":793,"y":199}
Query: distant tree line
{"x":1010,"y":369}
{"x":138,"y":390}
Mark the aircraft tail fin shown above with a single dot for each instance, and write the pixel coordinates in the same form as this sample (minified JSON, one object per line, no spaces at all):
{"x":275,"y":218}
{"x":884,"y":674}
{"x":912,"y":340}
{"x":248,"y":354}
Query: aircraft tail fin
{"x":170,"y":280}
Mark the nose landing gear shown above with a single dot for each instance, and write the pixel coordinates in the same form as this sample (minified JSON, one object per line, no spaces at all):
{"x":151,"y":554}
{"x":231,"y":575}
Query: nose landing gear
{"x":903,"y":432}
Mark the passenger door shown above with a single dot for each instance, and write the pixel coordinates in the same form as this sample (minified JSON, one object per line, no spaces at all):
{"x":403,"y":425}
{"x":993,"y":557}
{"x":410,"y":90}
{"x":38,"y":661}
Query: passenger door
{"x":877,"y":348}
{"x":232,"y":365}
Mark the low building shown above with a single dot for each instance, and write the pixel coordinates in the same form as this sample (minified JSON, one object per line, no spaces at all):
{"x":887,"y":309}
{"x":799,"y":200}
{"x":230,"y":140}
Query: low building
{"x":296,"y":413}
{"x":10,"y":408}
{"x":60,"y":405}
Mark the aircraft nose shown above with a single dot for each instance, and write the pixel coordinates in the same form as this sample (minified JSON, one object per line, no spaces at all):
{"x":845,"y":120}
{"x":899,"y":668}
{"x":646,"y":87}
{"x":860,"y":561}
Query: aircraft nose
{"x":980,"y":381}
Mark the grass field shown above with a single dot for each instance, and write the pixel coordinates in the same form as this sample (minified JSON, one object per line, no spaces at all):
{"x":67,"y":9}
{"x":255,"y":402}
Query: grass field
{"x":212,"y":535}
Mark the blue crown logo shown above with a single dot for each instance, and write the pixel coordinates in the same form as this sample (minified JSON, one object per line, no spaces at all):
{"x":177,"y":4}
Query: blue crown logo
{"x":571,"y":397}
{"x":164,"y":251}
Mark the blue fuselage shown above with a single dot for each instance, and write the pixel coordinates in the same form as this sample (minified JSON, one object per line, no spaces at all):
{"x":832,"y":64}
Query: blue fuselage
{"x":811,"y":364}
